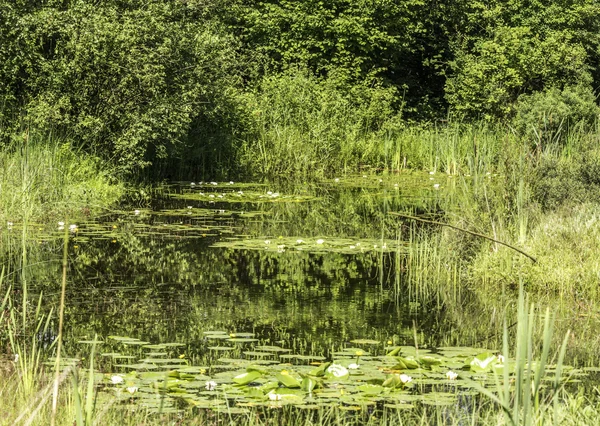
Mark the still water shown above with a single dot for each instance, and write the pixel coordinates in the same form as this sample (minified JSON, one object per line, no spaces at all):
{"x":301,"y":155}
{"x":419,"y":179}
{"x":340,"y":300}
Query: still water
{"x":315,"y":266}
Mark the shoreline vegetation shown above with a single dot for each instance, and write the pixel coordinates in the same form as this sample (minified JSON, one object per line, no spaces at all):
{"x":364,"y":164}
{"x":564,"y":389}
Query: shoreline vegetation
{"x":96,"y":99}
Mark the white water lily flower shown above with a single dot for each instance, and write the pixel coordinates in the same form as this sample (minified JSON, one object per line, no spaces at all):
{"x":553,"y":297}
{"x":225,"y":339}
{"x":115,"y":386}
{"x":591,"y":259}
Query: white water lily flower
{"x":352,"y":247}
{"x":267,"y":241}
{"x":192,"y":183}
{"x":431,"y":173}
{"x":116,"y":380}
{"x":240,"y":192}
{"x":73,"y":228}
{"x":436,"y":186}
{"x":137,"y":212}
{"x":214,"y":183}
{"x":211,"y":385}
{"x":61,"y":223}
{"x":211,"y":196}
{"x":353,"y":366}
{"x":132,"y":389}
{"x":336,"y":180}
{"x":299,"y":241}
{"x":274,"y":396}
{"x":320,"y":241}
{"x":269,"y":192}
{"x":230,"y":182}
{"x":451,"y":375}
{"x":404,"y":378}
{"x":337,"y":370}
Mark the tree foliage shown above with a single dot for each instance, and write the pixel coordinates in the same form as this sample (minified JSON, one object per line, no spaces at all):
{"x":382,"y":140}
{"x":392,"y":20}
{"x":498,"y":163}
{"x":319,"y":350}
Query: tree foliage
{"x":140,"y":81}
{"x":129,"y":79}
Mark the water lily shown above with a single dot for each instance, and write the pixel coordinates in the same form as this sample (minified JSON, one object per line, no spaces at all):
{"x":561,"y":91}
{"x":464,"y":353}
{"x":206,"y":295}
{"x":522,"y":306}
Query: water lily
{"x":337,"y":370}
{"x":269,"y":192}
{"x":132,"y":389}
{"x":211,"y":196}
{"x":267,"y":242}
{"x":73,"y":228}
{"x":431,"y":173}
{"x":211,"y":385}
{"x":352,"y":247}
{"x":299,"y":241}
{"x":404,"y":378}
{"x":240,"y":192}
{"x":320,"y":241}
{"x":214,"y":183}
{"x":230,"y":182}
{"x":436,"y":186}
{"x":192,"y":183}
{"x":336,"y":180}
{"x":353,"y":366}
{"x":116,"y":379}
{"x":136,"y":212}
{"x":451,"y":375}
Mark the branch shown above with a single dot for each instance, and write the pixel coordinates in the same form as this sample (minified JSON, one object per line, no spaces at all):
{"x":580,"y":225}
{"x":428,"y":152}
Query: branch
{"x":433,"y":222}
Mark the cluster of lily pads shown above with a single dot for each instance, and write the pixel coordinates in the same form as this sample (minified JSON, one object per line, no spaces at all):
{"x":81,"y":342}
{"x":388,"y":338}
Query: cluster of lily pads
{"x":271,"y":376}
{"x":314,"y":245}
{"x":231,"y":195}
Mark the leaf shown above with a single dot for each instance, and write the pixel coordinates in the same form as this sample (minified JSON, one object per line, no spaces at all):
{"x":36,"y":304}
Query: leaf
{"x":287,"y":380}
{"x":245,"y":378}
{"x":320,"y":370}
{"x":483,"y":362}
{"x":309,"y":383}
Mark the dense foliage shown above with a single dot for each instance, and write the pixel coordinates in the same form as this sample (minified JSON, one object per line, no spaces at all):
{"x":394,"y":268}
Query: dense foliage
{"x":158,"y":81}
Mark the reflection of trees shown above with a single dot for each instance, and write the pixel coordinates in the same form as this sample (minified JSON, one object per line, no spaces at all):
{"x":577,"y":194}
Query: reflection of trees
{"x":160,"y":285}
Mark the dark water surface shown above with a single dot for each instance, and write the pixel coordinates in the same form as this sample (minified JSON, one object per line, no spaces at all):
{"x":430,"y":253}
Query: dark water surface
{"x":156,"y":272}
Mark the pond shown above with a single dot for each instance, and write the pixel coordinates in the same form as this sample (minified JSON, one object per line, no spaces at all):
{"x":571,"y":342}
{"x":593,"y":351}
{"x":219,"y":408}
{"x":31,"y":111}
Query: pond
{"x":269,"y":291}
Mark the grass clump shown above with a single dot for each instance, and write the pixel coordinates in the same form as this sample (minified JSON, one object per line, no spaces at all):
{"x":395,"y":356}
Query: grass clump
{"x":44,"y":178}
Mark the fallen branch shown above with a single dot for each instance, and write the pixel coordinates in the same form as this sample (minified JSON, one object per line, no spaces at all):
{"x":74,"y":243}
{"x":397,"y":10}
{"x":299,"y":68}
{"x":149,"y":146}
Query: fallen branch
{"x":433,"y":222}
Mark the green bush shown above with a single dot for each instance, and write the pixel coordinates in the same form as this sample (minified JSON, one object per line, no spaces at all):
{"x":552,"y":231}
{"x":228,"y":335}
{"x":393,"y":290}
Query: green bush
{"x":129,"y":79}
{"x":567,"y":180}
{"x":548,"y":116}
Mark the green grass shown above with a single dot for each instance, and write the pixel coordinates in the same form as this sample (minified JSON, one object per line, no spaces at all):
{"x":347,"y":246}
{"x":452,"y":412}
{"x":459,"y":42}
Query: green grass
{"x":44,"y":178}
